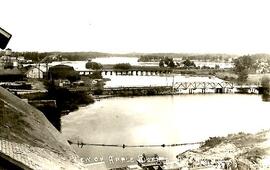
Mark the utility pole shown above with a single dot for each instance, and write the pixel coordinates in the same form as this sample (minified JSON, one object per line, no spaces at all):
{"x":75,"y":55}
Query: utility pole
{"x":173,"y":85}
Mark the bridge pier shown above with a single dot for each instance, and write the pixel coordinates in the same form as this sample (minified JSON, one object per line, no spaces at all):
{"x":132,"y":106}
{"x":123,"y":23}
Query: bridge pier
{"x":220,"y":90}
{"x":137,"y":72}
{"x":227,"y":90}
{"x":203,"y":91}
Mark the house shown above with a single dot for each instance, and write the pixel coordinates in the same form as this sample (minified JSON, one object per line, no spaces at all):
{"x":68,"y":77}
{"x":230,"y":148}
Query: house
{"x":34,"y":73}
{"x":11,"y":75}
{"x":21,"y":59}
{"x":8,"y":60}
{"x":62,"y":82}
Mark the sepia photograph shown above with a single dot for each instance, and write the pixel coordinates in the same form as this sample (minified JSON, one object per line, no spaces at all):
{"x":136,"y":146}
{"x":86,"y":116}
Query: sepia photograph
{"x":134,"y":85}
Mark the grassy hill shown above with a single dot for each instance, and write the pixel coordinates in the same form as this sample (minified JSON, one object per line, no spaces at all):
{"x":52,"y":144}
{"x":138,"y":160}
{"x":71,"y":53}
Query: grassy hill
{"x":242,"y":151}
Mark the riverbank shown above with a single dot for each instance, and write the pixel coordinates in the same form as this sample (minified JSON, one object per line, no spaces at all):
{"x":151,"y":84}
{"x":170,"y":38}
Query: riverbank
{"x":161,"y":91}
{"x":241,"y":151}
{"x":100,"y":97}
{"x":57,"y":102}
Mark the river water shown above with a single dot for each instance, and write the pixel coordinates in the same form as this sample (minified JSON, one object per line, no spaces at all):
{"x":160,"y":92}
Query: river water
{"x":80,"y":65}
{"x":160,"y":120}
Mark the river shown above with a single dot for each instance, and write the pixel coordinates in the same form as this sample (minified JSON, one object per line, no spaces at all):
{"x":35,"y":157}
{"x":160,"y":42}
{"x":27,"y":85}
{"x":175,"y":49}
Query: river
{"x":80,"y":65}
{"x":160,"y":120}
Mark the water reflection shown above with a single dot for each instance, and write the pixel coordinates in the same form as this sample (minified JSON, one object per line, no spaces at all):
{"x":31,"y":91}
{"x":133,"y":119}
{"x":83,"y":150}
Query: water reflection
{"x":266,"y":97}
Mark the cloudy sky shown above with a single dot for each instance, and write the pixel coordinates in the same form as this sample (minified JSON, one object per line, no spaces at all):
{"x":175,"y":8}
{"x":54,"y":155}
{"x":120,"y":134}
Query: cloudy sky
{"x":199,"y":26}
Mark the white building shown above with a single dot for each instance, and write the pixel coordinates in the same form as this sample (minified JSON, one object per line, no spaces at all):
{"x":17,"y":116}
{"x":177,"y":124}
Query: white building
{"x":35,"y":73}
{"x":7,"y":60}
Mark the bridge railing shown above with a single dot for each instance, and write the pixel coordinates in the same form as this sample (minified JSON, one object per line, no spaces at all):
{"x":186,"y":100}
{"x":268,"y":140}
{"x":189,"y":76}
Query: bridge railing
{"x":212,"y":85}
{"x":203,"y":85}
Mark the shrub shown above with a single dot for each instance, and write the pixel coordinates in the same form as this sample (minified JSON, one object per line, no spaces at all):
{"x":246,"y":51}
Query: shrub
{"x":93,"y":65}
{"x":95,"y":75}
{"x":122,"y":66}
{"x":212,"y":142}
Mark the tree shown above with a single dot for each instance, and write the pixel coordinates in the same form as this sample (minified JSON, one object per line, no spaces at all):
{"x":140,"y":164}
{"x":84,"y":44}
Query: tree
{"x":161,"y":63}
{"x":168,"y":62}
{"x":98,"y":87}
{"x":189,"y":63}
{"x":242,"y":66}
{"x":171,"y":63}
{"x":265,"y":82}
{"x":122,"y":66}
{"x":242,"y":76}
{"x":63,"y":72}
{"x":217,"y":66}
{"x":93,"y":65}
{"x":95,"y":75}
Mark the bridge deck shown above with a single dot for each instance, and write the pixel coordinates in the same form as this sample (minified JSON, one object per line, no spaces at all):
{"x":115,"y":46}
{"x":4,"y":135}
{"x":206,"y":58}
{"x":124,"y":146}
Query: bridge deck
{"x":190,"y":85}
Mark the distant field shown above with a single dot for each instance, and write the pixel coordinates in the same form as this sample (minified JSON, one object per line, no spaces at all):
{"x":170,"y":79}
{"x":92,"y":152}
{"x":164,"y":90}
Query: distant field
{"x":255,"y":78}
{"x":226,"y":75}
{"x":252,"y":78}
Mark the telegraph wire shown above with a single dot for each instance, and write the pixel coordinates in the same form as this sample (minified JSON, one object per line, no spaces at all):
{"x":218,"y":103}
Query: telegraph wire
{"x":81,"y":144}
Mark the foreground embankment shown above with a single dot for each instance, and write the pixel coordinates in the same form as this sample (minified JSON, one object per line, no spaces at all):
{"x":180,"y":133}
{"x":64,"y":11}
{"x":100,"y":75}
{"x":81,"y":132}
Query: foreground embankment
{"x":236,"y":151}
{"x":28,"y":140}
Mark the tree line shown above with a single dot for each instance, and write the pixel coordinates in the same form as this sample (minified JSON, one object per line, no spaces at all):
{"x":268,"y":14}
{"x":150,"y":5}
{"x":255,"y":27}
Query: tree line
{"x":72,"y":56}
{"x":199,"y":57}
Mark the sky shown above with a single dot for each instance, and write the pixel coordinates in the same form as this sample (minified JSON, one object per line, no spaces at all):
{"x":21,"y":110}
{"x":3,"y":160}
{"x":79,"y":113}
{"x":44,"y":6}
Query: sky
{"x":125,"y":26}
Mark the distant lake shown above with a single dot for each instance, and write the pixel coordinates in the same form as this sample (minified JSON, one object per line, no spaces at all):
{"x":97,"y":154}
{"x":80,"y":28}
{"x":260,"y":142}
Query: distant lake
{"x":160,"y":120}
{"x":80,"y":65}
{"x":116,"y":60}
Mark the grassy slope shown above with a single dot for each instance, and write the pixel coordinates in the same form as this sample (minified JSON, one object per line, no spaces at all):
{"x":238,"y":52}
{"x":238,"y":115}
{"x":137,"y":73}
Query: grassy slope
{"x":252,"y":149}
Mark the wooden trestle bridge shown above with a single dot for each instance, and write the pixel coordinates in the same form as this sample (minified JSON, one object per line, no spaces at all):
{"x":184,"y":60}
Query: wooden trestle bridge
{"x":136,"y":71}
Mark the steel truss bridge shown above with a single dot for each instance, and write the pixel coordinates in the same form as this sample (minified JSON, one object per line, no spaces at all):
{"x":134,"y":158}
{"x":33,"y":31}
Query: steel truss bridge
{"x":220,"y":87}
{"x":203,"y":85}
